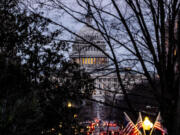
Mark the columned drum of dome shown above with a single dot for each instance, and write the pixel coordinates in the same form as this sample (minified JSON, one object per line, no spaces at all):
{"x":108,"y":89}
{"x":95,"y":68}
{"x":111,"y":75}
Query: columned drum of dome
{"x":87,"y":55}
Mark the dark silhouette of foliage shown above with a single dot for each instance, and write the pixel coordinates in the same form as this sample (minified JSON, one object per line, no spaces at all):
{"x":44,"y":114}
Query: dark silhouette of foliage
{"x":36,"y":80}
{"x":148,"y":31}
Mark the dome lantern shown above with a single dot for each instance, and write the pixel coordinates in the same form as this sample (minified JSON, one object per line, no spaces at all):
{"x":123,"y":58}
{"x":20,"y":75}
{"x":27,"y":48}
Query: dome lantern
{"x":89,"y":15}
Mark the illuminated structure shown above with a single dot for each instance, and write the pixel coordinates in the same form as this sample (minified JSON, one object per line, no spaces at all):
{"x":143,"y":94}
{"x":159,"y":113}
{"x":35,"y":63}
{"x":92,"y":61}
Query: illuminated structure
{"x":91,"y":57}
{"x":87,"y":55}
{"x":89,"y":51}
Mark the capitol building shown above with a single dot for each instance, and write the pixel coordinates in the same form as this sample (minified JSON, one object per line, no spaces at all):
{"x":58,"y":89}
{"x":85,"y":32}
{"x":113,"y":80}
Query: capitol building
{"x":92,"y":58}
{"x":89,"y":51}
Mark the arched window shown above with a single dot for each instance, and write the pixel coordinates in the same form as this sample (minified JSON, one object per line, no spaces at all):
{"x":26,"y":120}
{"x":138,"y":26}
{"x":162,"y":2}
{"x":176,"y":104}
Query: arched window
{"x":83,"y":60}
{"x":92,"y":61}
{"x":86,"y":61}
{"x":89,"y":60}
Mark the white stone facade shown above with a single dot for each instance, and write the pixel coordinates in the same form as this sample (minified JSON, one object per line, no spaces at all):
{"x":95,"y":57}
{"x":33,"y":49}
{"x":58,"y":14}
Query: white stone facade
{"x":91,"y":58}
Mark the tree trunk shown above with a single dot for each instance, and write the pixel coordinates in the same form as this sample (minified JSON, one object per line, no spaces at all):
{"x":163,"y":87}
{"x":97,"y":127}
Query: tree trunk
{"x":176,"y":127}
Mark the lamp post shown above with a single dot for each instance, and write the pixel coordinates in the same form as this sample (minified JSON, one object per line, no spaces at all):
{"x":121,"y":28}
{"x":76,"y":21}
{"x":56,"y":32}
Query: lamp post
{"x":147,"y":125}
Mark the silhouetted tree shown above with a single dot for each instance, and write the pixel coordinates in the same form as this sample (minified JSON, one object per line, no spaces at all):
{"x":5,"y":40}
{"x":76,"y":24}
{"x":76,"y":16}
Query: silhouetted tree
{"x":36,"y":80}
{"x":146,"y":32}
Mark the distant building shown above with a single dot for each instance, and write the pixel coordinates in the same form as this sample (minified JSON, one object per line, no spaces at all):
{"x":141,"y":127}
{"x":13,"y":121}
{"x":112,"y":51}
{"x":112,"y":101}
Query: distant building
{"x":91,"y":58}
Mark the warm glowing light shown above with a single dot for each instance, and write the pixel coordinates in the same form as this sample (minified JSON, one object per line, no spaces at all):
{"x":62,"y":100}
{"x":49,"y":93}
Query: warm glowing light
{"x":60,"y":125}
{"x":88,"y":127}
{"x":175,"y":52}
{"x":89,"y":60}
{"x":75,"y":115}
{"x":147,"y":124}
{"x":96,"y":120}
{"x":69,"y":105}
{"x":86,"y":61}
